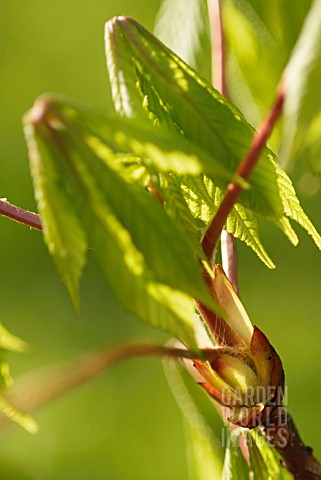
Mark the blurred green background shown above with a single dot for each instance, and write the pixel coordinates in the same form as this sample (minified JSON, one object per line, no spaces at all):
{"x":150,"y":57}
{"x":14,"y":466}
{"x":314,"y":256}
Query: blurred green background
{"x":125,"y":425}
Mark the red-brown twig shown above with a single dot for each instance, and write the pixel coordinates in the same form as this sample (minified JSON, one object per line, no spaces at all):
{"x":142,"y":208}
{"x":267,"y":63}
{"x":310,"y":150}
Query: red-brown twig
{"x":20,"y":215}
{"x":296,"y":457}
{"x":228,"y":243}
{"x":217,"y":46}
{"x":244,"y":171}
{"x":37,"y":389}
{"x":282,"y":434}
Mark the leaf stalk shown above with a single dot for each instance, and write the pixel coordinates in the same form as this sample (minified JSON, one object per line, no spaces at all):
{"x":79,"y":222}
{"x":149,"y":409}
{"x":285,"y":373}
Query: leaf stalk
{"x":228,"y":242}
{"x":244,"y":171}
{"x":20,"y":215}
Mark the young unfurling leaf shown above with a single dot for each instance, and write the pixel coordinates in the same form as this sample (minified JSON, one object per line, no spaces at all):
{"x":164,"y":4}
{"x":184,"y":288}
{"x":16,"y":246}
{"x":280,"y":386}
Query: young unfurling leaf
{"x":157,"y":82}
{"x":87,"y":194}
{"x":146,"y":257}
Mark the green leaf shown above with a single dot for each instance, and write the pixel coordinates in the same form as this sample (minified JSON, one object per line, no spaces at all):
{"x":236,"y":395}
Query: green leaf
{"x":250,"y":41}
{"x":140,"y":247}
{"x":123,"y":88}
{"x":63,"y":233}
{"x":302,"y":80}
{"x":262,"y":470}
{"x":217,"y":126}
{"x":24,"y":420}
{"x":284,"y":225}
{"x":136,"y":287}
{"x":241,"y":222}
{"x":158,"y":149}
{"x":203,"y":198}
{"x":235,"y":466}
{"x":151,"y":229}
{"x":172,"y":93}
{"x":10,"y":342}
{"x":243,"y":225}
{"x":176,"y":206}
{"x":264,"y":460}
{"x":202,"y":446}
{"x":199,"y":195}
{"x":183,"y":26}
{"x":311,"y":148}
{"x":293,"y":208}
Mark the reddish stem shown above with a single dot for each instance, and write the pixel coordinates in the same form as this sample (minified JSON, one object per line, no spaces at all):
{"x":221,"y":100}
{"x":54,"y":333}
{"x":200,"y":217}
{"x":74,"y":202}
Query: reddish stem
{"x":282,"y":434}
{"x":40,"y":387}
{"x":20,"y":215}
{"x":228,"y":243}
{"x":244,"y":171}
{"x":217,"y":46}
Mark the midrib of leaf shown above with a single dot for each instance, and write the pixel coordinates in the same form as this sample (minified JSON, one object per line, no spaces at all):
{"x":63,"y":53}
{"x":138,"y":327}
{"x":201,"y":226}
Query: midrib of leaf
{"x":154,"y":105}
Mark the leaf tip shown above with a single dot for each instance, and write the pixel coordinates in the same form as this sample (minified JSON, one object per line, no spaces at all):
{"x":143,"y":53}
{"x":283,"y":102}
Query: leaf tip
{"x":270,"y":264}
{"x":73,"y":292}
{"x":118,"y":20}
{"x":38,"y":113}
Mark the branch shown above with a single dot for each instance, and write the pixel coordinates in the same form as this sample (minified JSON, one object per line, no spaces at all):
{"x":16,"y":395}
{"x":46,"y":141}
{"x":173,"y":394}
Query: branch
{"x":20,"y":215}
{"x":228,"y":243}
{"x":217,"y":46}
{"x":244,"y":171}
{"x":282,"y":434}
{"x":39,"y":388}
